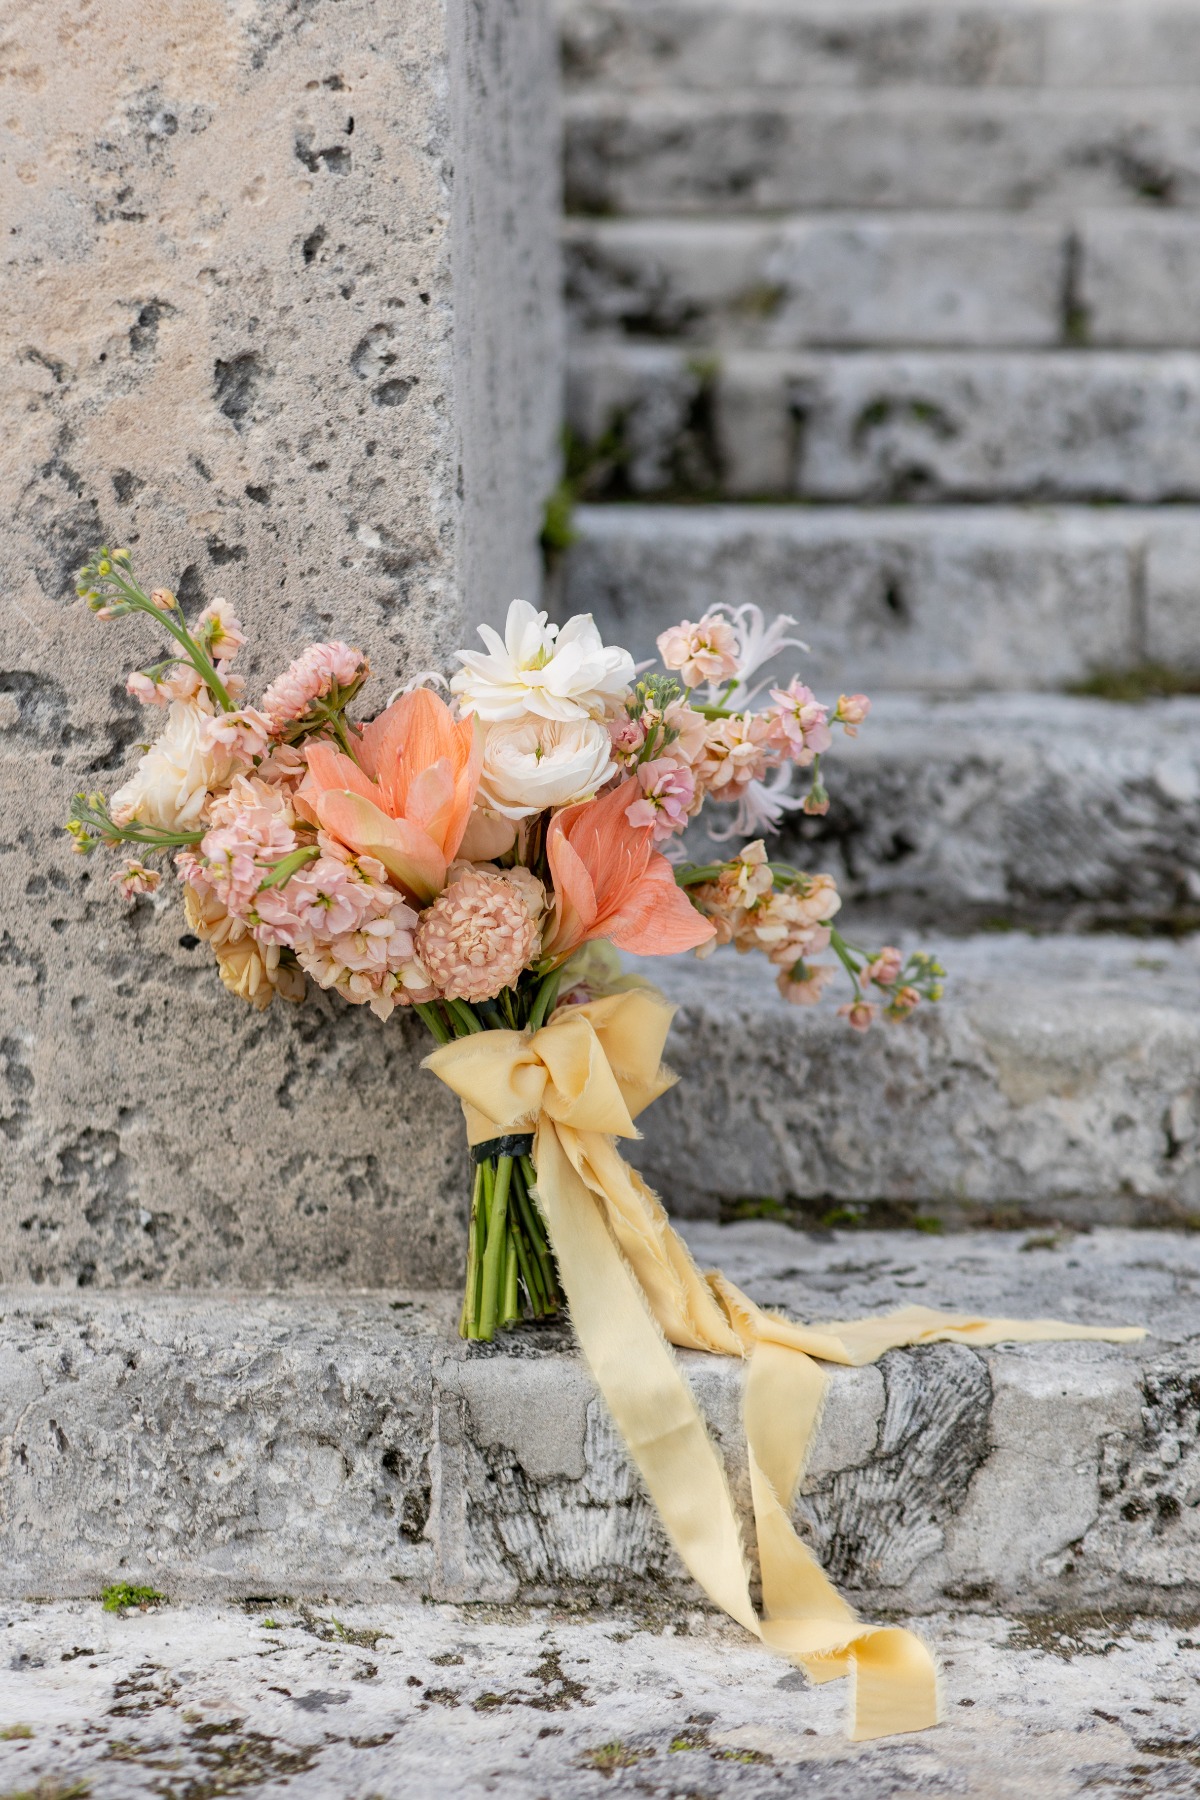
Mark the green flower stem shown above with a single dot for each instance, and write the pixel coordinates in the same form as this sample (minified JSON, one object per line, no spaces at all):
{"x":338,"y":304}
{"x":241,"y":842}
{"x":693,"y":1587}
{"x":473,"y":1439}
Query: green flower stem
{"x":538,"y":1236}
{"x":433,"y":1021}
{"x":512,"y":1310}
{"x":142,"y":602}
{"x":544,"y":999}
{"x":467,"y":1326}
{"x":462,"y":1016}
{"x":528,"y":1275}
{"x":494,"y":1256}
{"x":842,"y":951}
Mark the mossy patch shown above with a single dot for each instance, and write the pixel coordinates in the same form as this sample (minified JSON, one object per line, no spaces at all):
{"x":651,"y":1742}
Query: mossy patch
{"x":123,"y":1595}
{"x":1140,"y":681}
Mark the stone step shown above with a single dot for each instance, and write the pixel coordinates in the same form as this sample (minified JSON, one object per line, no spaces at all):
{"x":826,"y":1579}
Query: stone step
{"x":1071,"y":814}
{"x":929,"y":598}
{"x":696,"y":44}
{"x":667,"y":152}
{"x":234,"y":1446}
{"x":900,"y":426}
{"x":396,"y":1699}
{"x":1059,"y":1079}
{"x":1119,"y":277}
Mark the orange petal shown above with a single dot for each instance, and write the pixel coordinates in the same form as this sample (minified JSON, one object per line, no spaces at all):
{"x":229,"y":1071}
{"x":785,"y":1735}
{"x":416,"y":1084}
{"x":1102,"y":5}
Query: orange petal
{"x":658,"y":919}
{"x":430,"y":801}
{"x":408,"y":854}
{"x":576,"y":910}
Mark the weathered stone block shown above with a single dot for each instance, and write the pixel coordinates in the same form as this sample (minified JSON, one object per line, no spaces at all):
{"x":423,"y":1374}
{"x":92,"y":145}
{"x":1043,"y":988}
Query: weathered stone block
{"x":938,"y":598}
{"x":678,"y":152}
{"x":957,"y":814}
{"x":1136,"y":277}
{"x":280,"y":313}
{"x":1059,"y":1079}
{"x":350,"y":1447}
{"x":714,"y":47}
{"x":865,"y":280}
{"x":943,"y":425}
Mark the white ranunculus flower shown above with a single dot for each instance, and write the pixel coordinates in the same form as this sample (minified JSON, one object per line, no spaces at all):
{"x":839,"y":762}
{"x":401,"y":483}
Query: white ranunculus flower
{"x":171,"y":783}
{"x":550,"y":671}
{"x":531,"y":764}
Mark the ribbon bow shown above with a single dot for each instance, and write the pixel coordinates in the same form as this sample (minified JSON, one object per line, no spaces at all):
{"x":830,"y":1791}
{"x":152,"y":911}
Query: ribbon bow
{"x":631,"y":1284}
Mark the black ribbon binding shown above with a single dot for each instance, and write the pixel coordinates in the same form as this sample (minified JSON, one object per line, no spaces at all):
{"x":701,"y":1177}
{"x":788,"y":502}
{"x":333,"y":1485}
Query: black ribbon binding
{"x":516,"y":1144}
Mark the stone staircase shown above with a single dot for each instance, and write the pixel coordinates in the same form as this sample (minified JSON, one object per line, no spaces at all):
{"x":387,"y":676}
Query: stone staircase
{"x":884,"y":315}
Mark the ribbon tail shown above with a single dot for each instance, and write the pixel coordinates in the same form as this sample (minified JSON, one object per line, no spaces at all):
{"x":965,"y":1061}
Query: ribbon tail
{"x":643,"y":1386}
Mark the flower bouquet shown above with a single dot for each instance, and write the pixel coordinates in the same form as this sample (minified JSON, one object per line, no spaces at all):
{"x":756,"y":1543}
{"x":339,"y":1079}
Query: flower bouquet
{"x":468,"y":858}
{"x":478,"y":860}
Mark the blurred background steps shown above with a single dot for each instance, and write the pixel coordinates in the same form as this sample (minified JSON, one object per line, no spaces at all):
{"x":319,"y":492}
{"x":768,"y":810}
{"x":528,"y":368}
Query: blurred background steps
{"x":887,"y":315}
{"x":714,"y":45}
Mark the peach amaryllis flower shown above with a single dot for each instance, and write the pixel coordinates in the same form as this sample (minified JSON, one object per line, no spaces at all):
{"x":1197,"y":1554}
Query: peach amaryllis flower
{"x":609,"y":881}
{"x":407,"y":799}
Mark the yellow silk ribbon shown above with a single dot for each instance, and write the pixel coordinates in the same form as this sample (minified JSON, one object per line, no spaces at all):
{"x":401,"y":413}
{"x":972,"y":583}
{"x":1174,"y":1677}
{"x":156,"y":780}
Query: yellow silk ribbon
{"x":631,"y":1284}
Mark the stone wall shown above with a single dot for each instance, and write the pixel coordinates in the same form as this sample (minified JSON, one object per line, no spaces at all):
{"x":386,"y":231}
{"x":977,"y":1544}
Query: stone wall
{"x":280,"y":315}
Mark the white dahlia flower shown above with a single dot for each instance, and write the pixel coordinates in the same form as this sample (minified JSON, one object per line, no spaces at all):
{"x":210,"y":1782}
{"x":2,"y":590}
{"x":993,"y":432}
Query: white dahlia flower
{"x":550,"y":671}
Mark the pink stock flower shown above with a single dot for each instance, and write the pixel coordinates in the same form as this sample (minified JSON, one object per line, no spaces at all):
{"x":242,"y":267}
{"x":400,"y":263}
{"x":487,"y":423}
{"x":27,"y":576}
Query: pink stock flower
{"x":325,"y":899}
{"x":852,"y":709}
{"x":626,"y":736}
{"x":226,"y":636}
{"x":251,"y":832}
{"x":310,"y":678}
{"x":805,"y":989}
{"x":706,"y":652}
{"x":799,"y":724}
{"x":667,"y":791}
{"x":375,"y":965}
{"x":904,"y":1001}
{"x":134,"y":879}
{"x":859,"y":1014}
{"x":477,"y":937}
{"x":885,"y":968}
{"x":182,"y":683}
{"x":735,"y":752}
{"x":241,"y":735}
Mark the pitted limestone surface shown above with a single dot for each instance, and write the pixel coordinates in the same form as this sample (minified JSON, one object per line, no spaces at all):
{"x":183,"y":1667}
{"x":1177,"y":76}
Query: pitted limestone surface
{"x":339,"y":1701}
{"x":308,"y":1444}
{"x":275,"y":319}
{"x":1058,"y":1080}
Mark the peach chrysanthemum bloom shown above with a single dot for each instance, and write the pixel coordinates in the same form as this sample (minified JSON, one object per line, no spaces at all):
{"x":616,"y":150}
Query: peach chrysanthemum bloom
{"x":477,"y":937}
{"x":310,"y":677}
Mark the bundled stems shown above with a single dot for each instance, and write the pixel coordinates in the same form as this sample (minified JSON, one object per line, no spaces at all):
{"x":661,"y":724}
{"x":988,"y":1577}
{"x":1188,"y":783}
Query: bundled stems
{"x":510,"y":1267}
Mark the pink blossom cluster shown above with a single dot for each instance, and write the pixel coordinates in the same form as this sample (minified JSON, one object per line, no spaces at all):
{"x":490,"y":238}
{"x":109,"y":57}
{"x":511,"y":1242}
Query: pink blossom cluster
{"x":711,"y":742}
{"x":788,"y":924}
{"x":336,"y":913}
{"x":312,"y":677}
{"x":216,"y":627}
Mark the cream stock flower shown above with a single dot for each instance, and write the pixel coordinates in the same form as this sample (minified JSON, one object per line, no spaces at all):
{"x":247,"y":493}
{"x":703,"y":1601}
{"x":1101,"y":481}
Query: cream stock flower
{"x":171,"y":784}
{"x":531,"y":764}
{"x":252,"y":972}
{"x":551,"y":671}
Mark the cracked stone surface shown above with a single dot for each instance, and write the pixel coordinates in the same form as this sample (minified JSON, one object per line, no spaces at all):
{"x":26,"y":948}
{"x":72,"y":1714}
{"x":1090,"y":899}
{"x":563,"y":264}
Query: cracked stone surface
{"x":388,"y":1701}
{"x":352,"y":1445}
{"x":273,"y":319}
